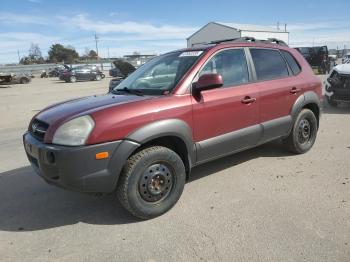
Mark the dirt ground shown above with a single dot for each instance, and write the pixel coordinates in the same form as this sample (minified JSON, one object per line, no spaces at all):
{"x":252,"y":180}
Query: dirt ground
{"x":263,"y":204}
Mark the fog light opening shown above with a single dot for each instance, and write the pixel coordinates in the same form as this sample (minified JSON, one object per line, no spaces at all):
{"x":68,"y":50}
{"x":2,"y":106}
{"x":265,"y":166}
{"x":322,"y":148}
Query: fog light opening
{"x":51,"y":158}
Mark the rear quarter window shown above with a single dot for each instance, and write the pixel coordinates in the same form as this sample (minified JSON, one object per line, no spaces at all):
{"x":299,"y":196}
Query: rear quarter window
{"x":293,"y":64}
{"x":269,"y":64}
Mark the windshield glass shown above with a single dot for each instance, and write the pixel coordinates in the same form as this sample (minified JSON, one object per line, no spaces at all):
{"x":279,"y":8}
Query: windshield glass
{"x":161,"y":74}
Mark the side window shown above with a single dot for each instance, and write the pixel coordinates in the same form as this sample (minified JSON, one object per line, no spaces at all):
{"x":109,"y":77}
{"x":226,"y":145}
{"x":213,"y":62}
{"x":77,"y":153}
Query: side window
{"x":269,"y":64}
{"x":293,"y":64}
{"x":231,"y":64}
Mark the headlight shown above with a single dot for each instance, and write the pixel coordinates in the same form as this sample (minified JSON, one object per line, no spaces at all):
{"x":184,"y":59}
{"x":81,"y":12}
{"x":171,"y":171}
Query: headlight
{"x":74,"y":132}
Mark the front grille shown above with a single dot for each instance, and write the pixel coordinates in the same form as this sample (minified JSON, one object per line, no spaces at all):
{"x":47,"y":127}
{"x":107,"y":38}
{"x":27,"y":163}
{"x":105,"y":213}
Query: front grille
{"x":341,"y":97}
{"x":38,"y":129}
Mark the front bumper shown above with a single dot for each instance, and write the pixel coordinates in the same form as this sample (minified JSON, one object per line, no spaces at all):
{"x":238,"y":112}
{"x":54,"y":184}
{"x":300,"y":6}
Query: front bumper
{"x":76,"y":168}
{"x":337,"y":94}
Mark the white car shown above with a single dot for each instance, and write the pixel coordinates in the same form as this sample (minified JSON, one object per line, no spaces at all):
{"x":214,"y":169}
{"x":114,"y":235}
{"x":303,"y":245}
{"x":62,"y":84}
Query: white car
{"x":346,"y":58}
{"x":337,"y":84}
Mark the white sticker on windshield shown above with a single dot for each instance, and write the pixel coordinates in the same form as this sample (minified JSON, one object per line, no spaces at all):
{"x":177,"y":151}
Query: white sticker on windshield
{"x":191,"y":53}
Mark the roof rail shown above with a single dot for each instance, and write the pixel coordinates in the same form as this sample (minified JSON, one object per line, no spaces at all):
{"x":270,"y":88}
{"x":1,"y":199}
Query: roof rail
{"x":251,"y":39}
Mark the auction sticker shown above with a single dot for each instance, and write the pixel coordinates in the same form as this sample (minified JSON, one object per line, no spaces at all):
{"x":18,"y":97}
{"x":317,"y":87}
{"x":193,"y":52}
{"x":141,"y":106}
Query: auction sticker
{"x":191,"y":53}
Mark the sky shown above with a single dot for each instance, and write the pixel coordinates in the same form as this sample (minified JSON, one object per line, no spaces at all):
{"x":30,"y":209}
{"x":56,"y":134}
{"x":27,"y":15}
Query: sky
{"x":154,"y":27}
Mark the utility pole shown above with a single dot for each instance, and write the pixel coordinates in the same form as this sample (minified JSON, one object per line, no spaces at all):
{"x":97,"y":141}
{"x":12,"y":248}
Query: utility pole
{"x":96,"y":40}
{"x":19,"y":58}
{"x":98,"y":57}
{"x":108,"y":52}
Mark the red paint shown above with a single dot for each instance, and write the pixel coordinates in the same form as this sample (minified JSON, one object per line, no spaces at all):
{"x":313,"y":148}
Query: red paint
{"x":212,"y":113}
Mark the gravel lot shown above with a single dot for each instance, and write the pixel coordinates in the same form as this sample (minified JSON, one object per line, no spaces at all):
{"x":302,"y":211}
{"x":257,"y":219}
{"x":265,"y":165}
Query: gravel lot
{"x":260,"y":205}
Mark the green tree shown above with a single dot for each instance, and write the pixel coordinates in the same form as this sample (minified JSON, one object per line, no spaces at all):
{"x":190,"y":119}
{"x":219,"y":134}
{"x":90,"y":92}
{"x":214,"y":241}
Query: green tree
{"x":59,"y":53}
{"x":92,"y":54}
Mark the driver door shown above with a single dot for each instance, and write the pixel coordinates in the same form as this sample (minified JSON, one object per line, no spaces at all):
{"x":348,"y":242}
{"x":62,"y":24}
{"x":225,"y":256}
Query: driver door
{"x":224,"y":122}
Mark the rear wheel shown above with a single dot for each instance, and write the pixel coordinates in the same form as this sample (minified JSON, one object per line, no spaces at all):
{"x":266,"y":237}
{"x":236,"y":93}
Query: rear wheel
{"x":152,"y":182}
{"x":98,"y":77}
{"x":304,"y":132}
{"x":24,"y":80}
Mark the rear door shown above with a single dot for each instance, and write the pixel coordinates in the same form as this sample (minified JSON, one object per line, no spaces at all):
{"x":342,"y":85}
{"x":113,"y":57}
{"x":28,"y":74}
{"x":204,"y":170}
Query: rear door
{"x":224,"y":119}
{"x":278,"y":90}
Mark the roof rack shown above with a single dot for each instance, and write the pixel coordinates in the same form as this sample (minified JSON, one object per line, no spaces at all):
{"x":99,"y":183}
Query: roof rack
{"x":251,"y":40}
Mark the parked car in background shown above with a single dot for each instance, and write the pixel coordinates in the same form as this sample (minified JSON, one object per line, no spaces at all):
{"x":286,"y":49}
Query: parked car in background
{"x":142,"y":139}
{"x":345,"y":58}
{"x":54,"y":72}
{"x":121,"y":68}
{"x":317,"y":57}
{"x":120,"y":71}
{"x":82,"y":73}
{"x":337,"y":84}
{"x":19,"y":78}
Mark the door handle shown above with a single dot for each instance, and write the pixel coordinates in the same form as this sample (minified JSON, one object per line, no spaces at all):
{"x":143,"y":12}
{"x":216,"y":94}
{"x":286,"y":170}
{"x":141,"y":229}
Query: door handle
{"x":248,"y":100}
{"x":295,"y":90}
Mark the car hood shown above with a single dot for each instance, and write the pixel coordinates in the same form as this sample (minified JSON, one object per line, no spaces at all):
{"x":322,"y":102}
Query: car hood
{"x":61,"y":112}
{"x":343,"y":69}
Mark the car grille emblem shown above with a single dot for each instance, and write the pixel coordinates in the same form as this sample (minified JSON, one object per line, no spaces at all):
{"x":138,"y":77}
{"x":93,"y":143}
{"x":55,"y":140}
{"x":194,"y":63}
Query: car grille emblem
{"x":34,"y":127}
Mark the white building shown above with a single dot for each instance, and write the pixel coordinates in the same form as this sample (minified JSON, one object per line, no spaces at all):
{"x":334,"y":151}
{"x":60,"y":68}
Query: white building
{"x":215,"y":31}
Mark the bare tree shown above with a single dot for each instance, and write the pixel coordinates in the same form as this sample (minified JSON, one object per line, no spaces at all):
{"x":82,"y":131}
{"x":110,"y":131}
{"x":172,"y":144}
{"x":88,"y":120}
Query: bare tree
{"x":35,"y":52}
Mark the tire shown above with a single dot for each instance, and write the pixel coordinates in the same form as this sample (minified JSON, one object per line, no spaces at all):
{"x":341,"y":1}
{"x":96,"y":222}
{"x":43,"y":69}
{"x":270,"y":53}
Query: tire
{"x":98,"y":77}
{"x":24,"y":80}
{"x":140,"y":188}
{"x":303,"y":134}
{"x":331,"y":102}
{"x":72,"y":79}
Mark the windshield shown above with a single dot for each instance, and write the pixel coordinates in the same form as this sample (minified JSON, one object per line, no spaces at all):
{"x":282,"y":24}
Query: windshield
{"x":161,"y":74}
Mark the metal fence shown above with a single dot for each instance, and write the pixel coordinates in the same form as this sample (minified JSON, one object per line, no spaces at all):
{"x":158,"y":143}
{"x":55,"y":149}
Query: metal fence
{"x":36,"y":69}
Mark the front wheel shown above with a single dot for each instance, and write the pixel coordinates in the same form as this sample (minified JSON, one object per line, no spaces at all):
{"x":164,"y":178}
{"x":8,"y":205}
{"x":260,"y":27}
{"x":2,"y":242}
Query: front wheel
{"x":152,"y":182}
{"x":72,"y":79}
{"x":303,"y":134}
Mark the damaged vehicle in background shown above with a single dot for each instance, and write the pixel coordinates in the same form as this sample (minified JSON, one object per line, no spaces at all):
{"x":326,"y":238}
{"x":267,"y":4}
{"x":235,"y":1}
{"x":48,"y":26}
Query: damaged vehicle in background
{"x":82,"y":73}
{"x":11,"y":78}
{"x":55,"y":72}
{"x":346,"y":58}
{"x":317,"y":57}
{"x":120,"y":71}
{"x":337,"y":85}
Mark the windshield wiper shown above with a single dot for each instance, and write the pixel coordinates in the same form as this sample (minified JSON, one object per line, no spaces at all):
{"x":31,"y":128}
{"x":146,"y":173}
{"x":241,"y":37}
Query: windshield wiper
{"x":130,"y":91}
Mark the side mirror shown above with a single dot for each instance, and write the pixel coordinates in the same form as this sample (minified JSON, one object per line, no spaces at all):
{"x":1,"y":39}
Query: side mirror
{"x":208,"y":81}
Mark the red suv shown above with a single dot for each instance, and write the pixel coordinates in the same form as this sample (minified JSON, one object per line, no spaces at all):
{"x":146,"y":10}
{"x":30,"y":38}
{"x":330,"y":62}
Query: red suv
{"x":177,"y":111}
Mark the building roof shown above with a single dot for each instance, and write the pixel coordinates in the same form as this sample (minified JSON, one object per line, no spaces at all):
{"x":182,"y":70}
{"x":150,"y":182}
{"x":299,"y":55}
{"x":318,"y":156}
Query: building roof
{"x":244,"y":27}
{"x":250,"y":27}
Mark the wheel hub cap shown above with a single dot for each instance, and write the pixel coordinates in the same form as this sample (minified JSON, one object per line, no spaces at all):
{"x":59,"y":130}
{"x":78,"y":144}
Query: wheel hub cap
{"x":155,"y":183}
{"x":304,"y":131}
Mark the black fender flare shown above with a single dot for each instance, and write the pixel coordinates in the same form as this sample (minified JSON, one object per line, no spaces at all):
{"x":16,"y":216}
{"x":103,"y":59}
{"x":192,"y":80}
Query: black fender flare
{"x":309,"y":97}
{"x":167,"y":127}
